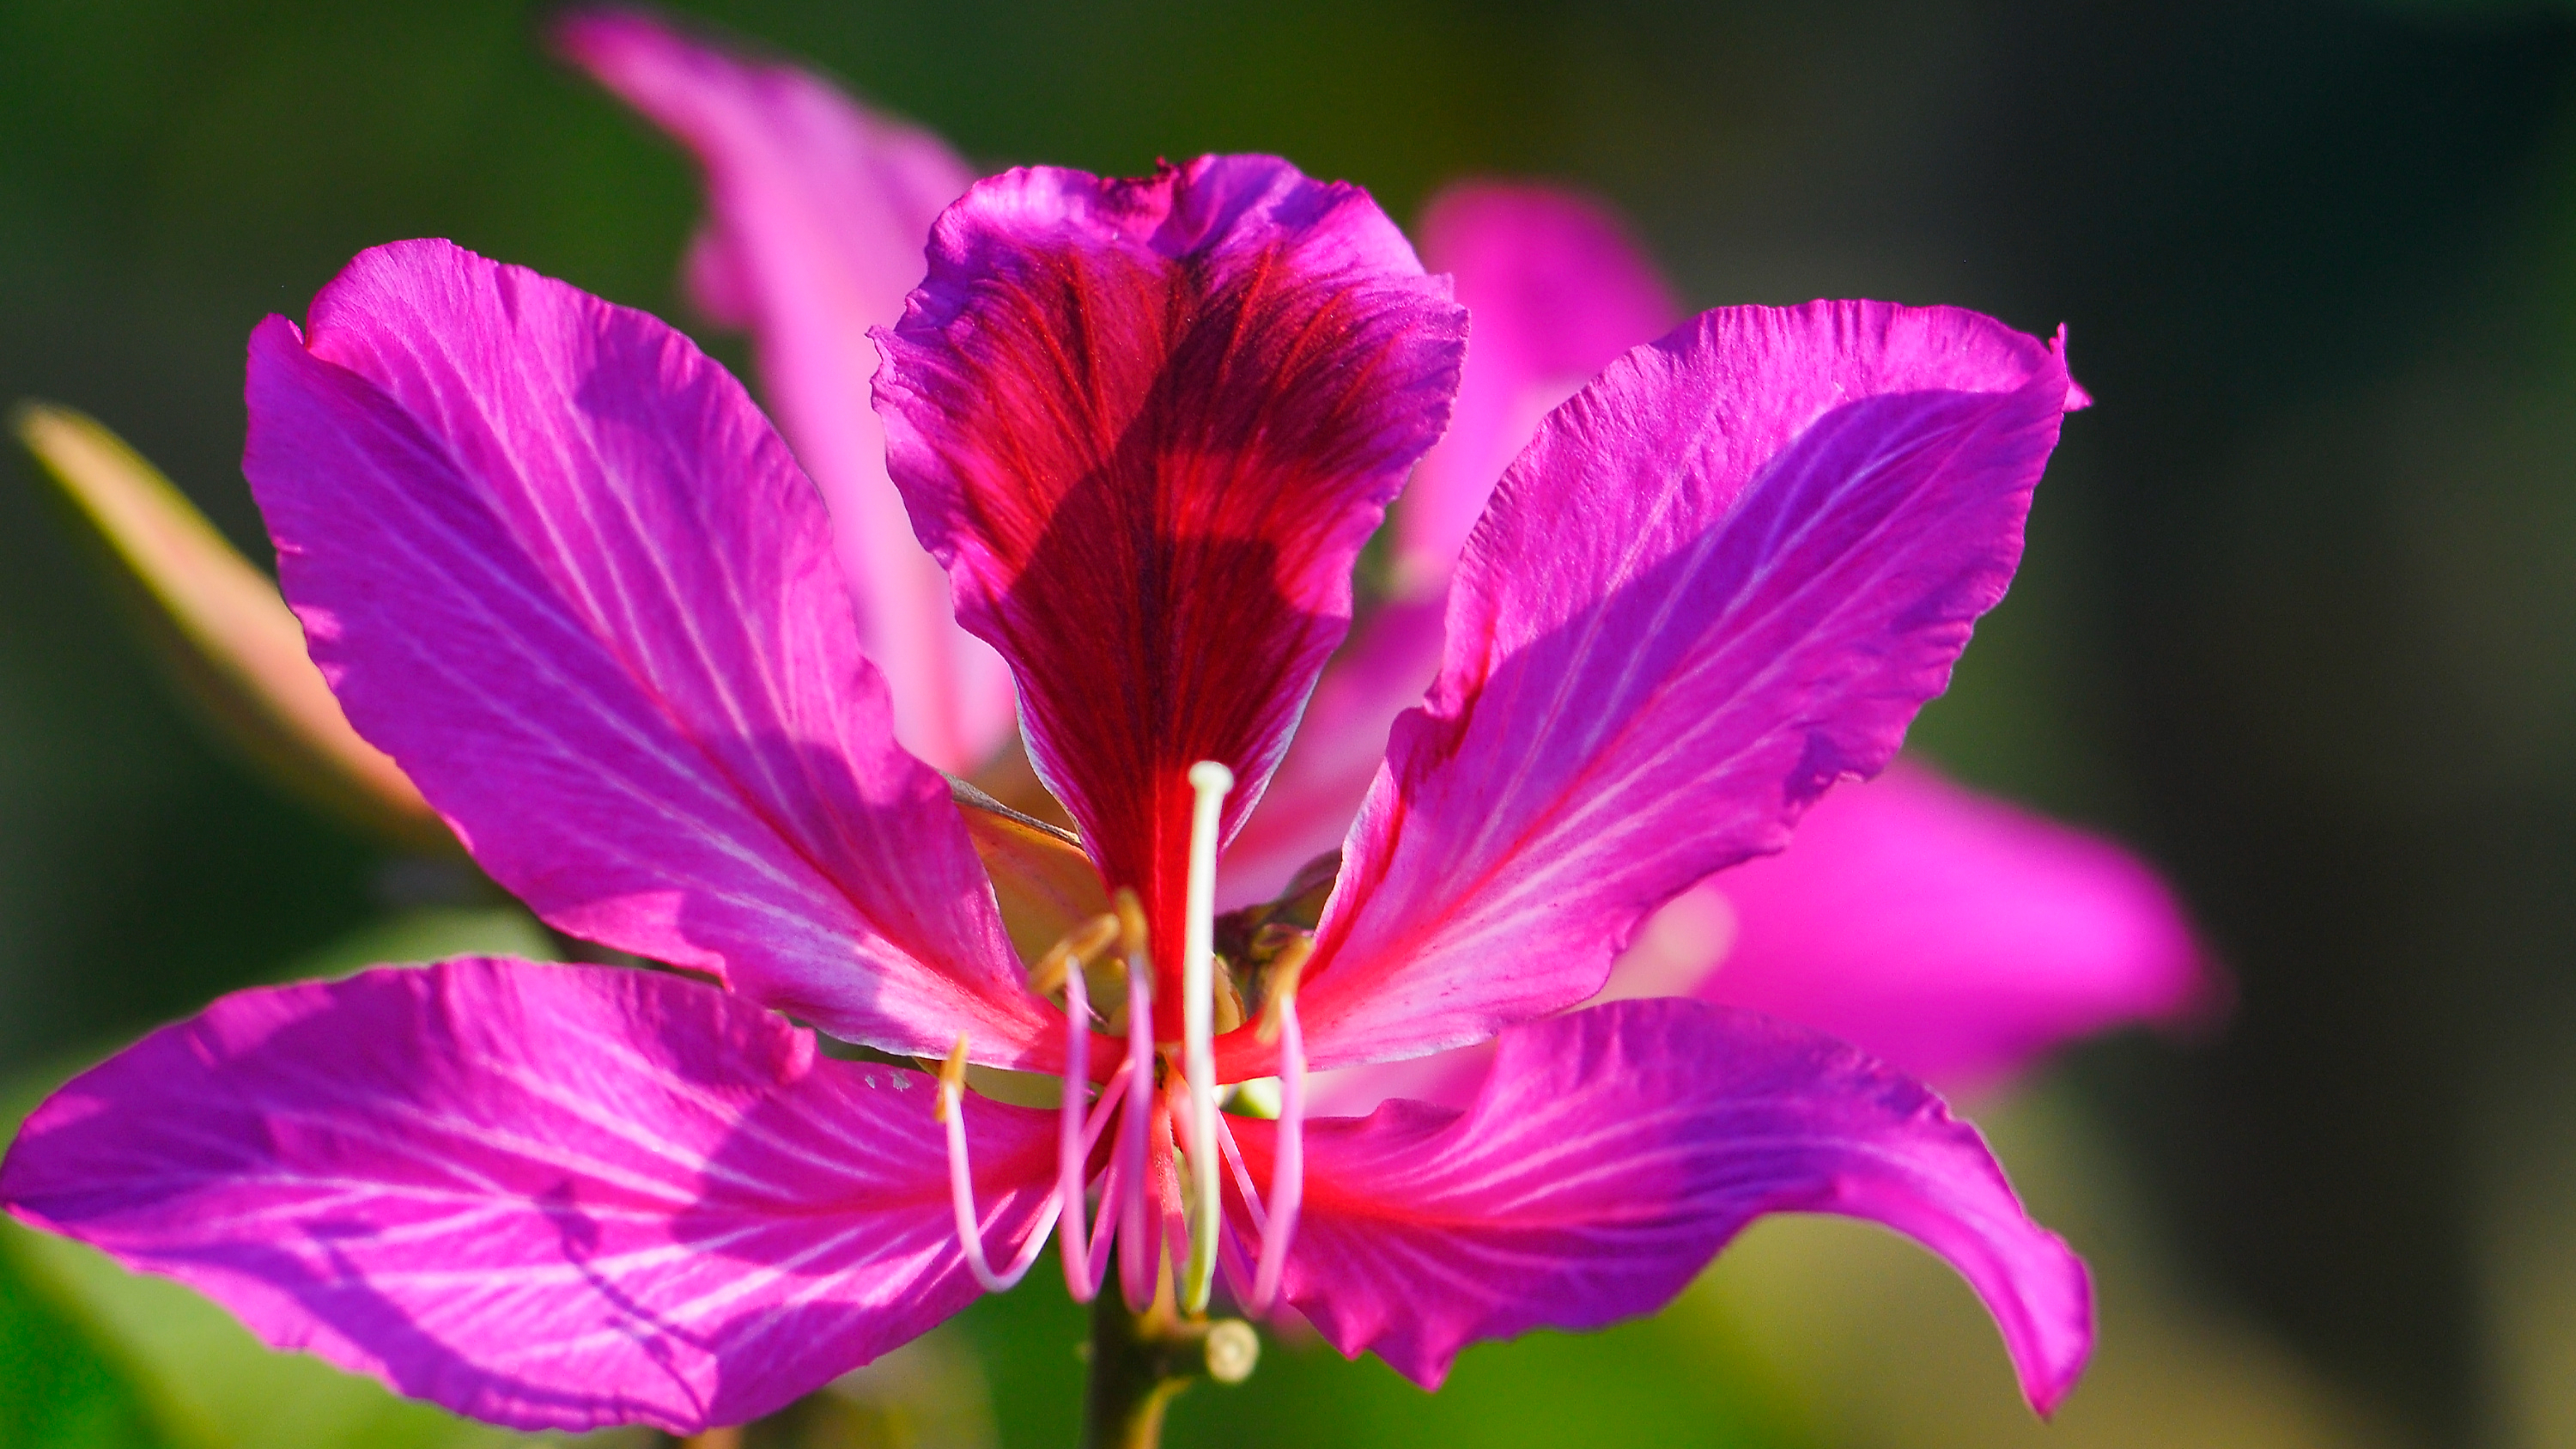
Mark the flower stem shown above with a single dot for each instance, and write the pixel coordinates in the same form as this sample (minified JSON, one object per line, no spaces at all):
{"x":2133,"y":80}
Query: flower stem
{"x":1139,"y":1361}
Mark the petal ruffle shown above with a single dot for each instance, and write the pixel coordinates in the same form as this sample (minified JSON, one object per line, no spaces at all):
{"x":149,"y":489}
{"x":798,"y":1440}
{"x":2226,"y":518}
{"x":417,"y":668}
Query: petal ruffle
{"x":1724,"y":576}
{"x":817,"y":211}
{"x":1147,"y":426}
{"x":1612,"y":1153}
{"x":554,"y":563}
{"x":1952,"y":935}
{"x":545,"y":1196}
{"x":1558,"y":291}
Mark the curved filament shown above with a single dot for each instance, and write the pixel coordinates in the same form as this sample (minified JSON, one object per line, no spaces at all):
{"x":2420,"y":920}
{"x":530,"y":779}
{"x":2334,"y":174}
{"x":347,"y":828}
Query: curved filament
{"x":1112,"y":1188}
{"x":961,"y":1188}
{"x":1288,"y":1169}
{"x":1086,"y":1256}
{"x":1167,"y":1181}
{"x":1135,"y":1259}
{"x":1242,"y":1179}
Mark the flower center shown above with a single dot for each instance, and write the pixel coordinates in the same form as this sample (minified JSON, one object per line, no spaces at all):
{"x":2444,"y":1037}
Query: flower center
{"x":1183,"y":1114}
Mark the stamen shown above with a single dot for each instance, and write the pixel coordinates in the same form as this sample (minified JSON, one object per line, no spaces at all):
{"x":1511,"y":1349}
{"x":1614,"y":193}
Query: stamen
{"x":1080,"y":947}
{"x":1070,"y":1156}
{"x":1210,"y":781}
{"x":1135,"y":1262}
{"x":1110,"y":1095}
{"x":1285,"y":970}
{"x":1288,"y":1167}
{"x":951,"y":1109}
{"x":1063,"y":968}
{"x":952,"y":1080}
{"x":1233,"y":1267}
{"x":1176,"y":1226}
{"x":1085,"y":1268}
{"x":1111,"y":1187}
{"x":1242,"y":1175}
{"x":1238,"y":1272}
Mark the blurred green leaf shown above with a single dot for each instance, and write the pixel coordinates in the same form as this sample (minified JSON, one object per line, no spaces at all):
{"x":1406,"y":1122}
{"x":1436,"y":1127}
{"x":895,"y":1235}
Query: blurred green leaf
{"x":429,"y":934}
{"x":1673,"y":1379}
{"x":207,"y":1381}
{"x":218,"y":623}
{"x":1660,"y":1380}
{"x":59,"y":1390}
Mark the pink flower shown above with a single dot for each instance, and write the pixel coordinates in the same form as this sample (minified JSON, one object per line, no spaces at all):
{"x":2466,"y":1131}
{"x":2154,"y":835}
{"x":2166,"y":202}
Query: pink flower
{"x":557,"y":566}
{"x":1953,"y":936}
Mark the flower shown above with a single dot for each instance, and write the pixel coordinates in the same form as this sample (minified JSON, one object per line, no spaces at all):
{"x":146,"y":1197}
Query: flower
{"x":1954,"y":936}
{"x":557,"y":566}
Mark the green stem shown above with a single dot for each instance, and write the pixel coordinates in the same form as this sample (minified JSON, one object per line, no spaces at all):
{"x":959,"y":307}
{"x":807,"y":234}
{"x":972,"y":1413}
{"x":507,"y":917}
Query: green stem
{"x":1139,"y":1361}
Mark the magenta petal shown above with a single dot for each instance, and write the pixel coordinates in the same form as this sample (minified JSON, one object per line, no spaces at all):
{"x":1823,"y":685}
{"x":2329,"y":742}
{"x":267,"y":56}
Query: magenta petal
{"x":1147,"y":426}
{"x":1724,"y":576}
{"x":546,"y":1196}
{"x":1612,"y":1153}
{"x":818,"y":209}
{"x":1558,"y":290}
{"x":1953,"y":935}
{"x":554,"y":562}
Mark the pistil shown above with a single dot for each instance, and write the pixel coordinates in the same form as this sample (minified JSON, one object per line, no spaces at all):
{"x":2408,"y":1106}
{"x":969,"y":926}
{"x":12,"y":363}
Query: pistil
{"x":1209,"y":781}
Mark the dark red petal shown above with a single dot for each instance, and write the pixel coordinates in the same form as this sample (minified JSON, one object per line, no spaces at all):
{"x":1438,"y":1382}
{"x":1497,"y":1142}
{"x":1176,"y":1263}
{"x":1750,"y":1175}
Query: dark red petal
{"x":1147,"y":426}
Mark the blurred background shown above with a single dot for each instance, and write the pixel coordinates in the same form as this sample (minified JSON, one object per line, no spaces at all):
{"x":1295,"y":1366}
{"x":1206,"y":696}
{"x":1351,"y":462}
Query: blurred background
{"x":2298,"y":622}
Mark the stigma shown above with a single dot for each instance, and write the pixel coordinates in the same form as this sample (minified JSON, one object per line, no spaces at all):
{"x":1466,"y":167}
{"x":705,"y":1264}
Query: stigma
{"x":1209,"y":782}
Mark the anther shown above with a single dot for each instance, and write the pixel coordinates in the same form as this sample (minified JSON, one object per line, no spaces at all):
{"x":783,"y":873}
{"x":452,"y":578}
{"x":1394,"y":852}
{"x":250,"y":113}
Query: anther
{"x":1209,"y":781}
{"x":1280,"y":988}
{"x":952,"y":1081}
{"x":1080,"y":947}
{"x":1131,"y":925}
